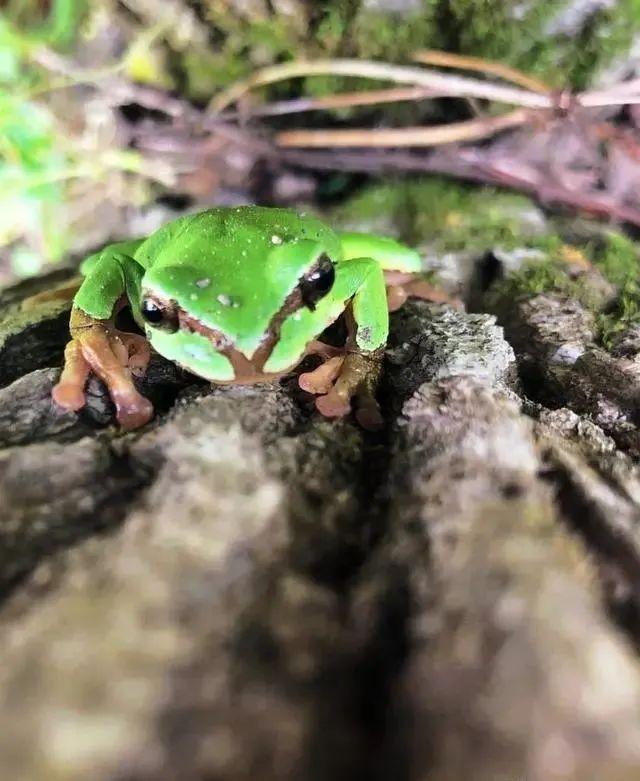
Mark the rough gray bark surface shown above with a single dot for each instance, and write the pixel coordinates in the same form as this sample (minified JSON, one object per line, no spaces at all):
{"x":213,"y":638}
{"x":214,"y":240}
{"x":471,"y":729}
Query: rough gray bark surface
{"x":243,"y":590}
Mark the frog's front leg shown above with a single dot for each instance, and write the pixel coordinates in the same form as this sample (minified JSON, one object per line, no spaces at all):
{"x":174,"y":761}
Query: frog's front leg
{"x":97,"y":346}
{"x":355,"y":376}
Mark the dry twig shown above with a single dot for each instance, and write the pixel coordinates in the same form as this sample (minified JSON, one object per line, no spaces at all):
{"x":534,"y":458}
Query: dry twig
{"x":529,"y":159}
{"x":339,"y":101}
{"x":472,"y":130}
{"x":499,"y":69}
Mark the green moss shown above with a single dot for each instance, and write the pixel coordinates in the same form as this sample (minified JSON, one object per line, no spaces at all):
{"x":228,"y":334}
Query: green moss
{"x":446,"y":216}
{"x":202,"y":68}
{"x":247,"y":35}
{"x":493,"y":29}
{"x":486,"y":28}
{"x":333,"y":25}
{"x":615,"y":256}
{"x":245,"y":38}
{"x":625,"y":313}
{"x":610,"y":32}
{"x":619,"y":261}
{"x":534,"y":278}
{"x":393,"y":37}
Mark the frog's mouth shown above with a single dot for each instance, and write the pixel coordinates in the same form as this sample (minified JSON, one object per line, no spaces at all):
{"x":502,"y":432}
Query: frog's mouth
{"x":249,"y":370}
{"x":245,"y":369}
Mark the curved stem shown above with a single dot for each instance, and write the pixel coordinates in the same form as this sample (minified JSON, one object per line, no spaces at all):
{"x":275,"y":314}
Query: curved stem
{"x":445,"y":84}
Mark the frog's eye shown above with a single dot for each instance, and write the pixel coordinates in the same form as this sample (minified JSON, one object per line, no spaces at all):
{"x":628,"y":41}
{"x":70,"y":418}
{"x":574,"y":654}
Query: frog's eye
{"x":317,"y":282}
{"x":159,"y":315}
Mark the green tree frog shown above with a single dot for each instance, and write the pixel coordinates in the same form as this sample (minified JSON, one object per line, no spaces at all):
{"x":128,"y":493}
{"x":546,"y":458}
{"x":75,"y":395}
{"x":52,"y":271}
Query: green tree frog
{"x":239,"y":295}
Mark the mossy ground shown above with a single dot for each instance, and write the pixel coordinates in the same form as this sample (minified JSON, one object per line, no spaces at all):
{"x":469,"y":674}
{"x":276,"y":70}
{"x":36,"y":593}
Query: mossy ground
{"x":620,"y":262}
{"x":441,"y":216}
{"x":614,"y":256}
{"x":447,"y":216}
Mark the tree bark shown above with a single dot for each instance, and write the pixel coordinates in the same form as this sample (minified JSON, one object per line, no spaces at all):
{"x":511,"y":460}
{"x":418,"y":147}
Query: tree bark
{"x":245,"y":590}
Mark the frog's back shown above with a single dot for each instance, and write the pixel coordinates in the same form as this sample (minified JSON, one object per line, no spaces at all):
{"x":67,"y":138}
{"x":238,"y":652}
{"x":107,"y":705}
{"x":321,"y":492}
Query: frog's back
{"x":225,"y":235}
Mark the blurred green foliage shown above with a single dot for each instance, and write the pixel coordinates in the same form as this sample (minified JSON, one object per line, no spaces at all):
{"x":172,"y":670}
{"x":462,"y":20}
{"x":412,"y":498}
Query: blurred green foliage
{"x":195,"y":47}
{"x":32,"y":161}
{"x":619,"y":259}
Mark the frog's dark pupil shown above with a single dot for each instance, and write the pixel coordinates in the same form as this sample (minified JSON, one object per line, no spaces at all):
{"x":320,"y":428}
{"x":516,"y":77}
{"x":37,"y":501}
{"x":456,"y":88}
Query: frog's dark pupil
{"x":152,"y":312}
{"x":318,"y":282}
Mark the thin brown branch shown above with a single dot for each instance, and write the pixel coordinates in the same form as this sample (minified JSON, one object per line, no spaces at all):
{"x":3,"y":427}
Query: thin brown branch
{"x":474,"y":163}
{"x":478,"y":64}
{"x":342,"y":100}
{"x":402,"y":137}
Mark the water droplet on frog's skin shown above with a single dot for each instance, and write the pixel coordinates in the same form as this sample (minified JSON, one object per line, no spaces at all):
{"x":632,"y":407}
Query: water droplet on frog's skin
{"x":224,"y":300}
{"x":276,"y":239}
{"x":203,"y":282}
{"x":194,"y":296}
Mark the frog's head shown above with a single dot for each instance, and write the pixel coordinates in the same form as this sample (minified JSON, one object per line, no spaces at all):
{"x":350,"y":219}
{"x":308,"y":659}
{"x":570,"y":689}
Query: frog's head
{"x":219,"y":312}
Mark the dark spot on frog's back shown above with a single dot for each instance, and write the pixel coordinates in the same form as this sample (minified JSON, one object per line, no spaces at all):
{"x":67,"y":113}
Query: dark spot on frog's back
{"x":364,"y":333}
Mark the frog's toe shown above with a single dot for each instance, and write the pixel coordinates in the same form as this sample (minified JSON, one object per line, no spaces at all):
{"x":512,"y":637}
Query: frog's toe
{"x":420,"y":288}
{"x":324,"y":350}
{"x":69,"y":392}
{"x":68,"y":396}
{"x":138,"y":353}
{"x":337,"y":404}
{"x":132,"y":410}
{"x":396,"y":297}
{"x":321,"y":379}
{"x":334,"y":405}
{"x":62,"y":293}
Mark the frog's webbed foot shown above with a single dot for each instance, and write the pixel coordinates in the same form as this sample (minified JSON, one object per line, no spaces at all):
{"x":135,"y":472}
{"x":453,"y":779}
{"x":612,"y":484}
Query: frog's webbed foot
{"x":345,"y":377}
{"x":96,"y":346}
{"x":401,"y":286}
